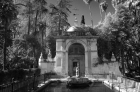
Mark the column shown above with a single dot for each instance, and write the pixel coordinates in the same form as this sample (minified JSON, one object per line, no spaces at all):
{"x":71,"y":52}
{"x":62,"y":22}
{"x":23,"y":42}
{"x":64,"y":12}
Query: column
{"x":66,"y":64}
{"x":94,"y":55}
{"x":89,"y":56}
{"x":63,"y":56}
{"x":86,"y":62}
{"x":89,"y":62}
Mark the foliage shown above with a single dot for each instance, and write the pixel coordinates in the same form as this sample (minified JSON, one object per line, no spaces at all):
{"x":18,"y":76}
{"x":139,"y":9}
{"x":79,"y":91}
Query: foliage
{"x":32,"y":18}
{"x":25,"y":16}
{"x":115,"y":23}
{"x":26,"y":36}
{"x":59,"y":15}
{"x":52,"y":45}
{"x":17,"y":74}
{"x":58,"y":22}
{"x":121,"y":31}
{"x":8,"y":13}
{"x":22,"y":51}
{"x":104,"y":6}
{"x":40,"y":13}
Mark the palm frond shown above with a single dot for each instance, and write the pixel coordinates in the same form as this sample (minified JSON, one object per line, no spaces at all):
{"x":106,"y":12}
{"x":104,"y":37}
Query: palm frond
{"x":42,"y":2}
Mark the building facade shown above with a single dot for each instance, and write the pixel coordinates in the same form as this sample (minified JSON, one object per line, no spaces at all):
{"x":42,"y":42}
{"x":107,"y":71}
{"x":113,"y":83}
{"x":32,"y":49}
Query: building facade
{"x":76,"y":49}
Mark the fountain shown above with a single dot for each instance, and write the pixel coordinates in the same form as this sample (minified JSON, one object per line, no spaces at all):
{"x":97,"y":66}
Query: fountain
{"x":78,"y":81}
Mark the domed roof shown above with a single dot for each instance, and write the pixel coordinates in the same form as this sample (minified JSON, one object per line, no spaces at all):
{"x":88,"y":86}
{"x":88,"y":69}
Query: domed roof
{"x":71,"y":29}
{"x":74,"y":28}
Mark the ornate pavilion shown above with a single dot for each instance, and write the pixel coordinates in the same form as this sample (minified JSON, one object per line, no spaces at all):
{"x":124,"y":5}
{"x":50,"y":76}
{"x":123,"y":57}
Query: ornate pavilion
{"x":76,"y":47}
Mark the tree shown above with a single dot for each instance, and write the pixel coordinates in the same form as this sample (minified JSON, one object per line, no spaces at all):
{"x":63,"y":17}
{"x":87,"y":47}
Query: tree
{"x":40,"y":9}
{"x":35,"y":16}
{"x":122,"y":31}
{"x":8,"y":13}
{"x":25,"y":16}
{"x":26,"y":47}
{"x":58,"y":21}
{"x":59,"y":14}
{"x":103,"y":42}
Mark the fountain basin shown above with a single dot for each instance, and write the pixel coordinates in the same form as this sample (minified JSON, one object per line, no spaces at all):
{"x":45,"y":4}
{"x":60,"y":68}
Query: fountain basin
{"x":78,"y":82}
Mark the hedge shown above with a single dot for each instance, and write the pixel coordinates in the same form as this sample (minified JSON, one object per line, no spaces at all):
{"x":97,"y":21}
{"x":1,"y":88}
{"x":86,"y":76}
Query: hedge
{"x":17,"y":74}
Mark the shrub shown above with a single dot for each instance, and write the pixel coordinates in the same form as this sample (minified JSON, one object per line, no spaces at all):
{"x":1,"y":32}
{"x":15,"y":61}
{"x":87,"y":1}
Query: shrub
{"x":17,"y":74}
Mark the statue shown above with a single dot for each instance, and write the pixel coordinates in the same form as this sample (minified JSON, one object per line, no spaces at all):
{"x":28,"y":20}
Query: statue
{"x":49,"y":56}
{"x":77,"y":71}
{"x":41,"y":59}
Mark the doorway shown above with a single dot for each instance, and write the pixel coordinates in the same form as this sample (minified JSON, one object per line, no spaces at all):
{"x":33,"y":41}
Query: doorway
{"x":76,"y":58}
{"x":75,"y":65}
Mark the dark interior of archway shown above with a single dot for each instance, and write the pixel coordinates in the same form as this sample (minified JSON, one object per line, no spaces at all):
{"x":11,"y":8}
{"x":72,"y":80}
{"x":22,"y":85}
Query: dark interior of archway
{"x":76,"y":49}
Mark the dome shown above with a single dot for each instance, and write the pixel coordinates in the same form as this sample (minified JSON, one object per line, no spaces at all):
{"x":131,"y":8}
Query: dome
{"x":71,"y":29}
{"x":82,"y":30}
{"x":74,"y":28}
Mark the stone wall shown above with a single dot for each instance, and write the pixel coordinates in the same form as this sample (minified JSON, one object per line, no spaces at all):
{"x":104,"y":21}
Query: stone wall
{"x":46,"y":67}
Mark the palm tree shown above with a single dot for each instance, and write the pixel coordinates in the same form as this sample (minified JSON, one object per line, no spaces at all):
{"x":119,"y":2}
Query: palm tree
{"x":60,"y":13}
{"x":26,"y":14}
{"x":29,"y":16}
{"x":89,"y":2}
{"x":34,"y":12}
{"x":42,"y":27}
{"x":40,"y":10}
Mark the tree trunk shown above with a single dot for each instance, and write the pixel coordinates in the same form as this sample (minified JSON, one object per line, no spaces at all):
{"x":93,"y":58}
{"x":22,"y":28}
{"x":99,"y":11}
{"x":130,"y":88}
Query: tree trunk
{"x":4,"y":52}
{"x":91,"y":15}
{"x":36,"y":21}
{"x":100,"y":13}
{"x":59,"y":29}
{"x":35,"y":60}
{"x":122,"y":68}
{"x":4,"y":46}
{"x":29,"y":20}
{"x":42,"y":37}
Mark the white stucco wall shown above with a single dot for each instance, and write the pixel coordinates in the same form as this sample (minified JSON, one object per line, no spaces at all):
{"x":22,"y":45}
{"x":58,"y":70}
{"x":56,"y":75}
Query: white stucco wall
{"x":62,"y":46}
{"x":46,"y":67}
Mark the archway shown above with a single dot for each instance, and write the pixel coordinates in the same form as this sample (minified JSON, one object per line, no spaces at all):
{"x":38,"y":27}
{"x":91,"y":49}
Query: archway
{"x":76,"y":58}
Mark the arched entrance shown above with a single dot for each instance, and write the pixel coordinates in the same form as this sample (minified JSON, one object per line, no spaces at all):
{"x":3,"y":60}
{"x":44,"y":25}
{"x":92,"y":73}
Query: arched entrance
{"x":76,"y":58}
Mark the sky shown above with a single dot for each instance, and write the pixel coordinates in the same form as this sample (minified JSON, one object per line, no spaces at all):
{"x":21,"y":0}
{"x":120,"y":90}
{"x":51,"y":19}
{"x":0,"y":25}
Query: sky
{"x":80,"y":8}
